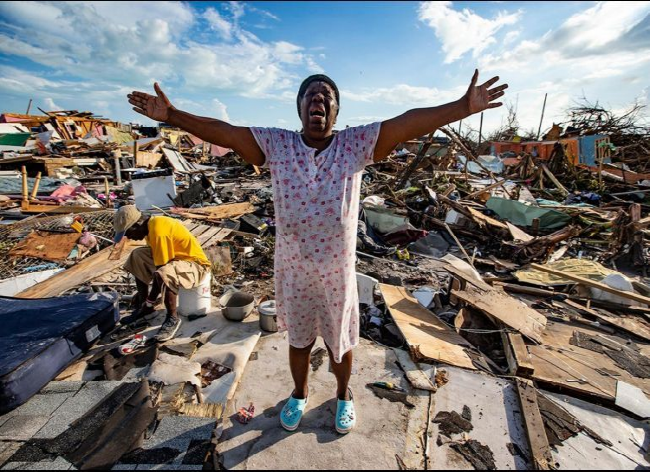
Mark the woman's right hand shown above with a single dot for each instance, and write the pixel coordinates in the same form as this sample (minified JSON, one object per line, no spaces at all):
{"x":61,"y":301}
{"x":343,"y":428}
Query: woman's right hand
{"x":157,"y":108}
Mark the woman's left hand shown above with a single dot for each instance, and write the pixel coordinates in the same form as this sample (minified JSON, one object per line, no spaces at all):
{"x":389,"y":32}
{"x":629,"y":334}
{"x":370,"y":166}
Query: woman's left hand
{"x":482,"y":97}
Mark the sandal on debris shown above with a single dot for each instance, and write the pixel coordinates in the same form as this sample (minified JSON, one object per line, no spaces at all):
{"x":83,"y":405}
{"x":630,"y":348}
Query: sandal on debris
{"x":345,"y":415}
{"x":292,"y":413}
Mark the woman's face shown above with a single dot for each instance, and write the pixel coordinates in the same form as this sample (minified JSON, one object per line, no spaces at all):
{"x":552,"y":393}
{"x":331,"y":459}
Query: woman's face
{"x":318,"y":109}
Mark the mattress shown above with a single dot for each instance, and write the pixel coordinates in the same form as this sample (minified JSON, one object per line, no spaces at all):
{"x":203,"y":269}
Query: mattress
{"x":39,"y":338}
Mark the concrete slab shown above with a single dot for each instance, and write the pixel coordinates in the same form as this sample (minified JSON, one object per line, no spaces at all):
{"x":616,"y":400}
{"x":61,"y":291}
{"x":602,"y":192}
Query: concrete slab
{"x":495,"y":417}
{"x":384,"y":429}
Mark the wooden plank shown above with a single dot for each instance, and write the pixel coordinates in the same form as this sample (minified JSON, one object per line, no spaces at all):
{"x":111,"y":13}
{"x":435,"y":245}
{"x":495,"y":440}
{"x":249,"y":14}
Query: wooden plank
{"x":517,"y":354}
{"x":486,"y":219}
{"x":506,"y":309}
{"x":573,"y":369}
{"x":556,"y":182}
{"x":58,"y":209}
{"x":94,"y":266}
{"x":220,"y":236}
{"x":427,"y":336}
{"x":199,"y":230}
{"x":208,"y":235}
{"x":539,"y":448}
{"x":518,"y":234}
{"x":230,"y":210}
{"x":635,"y":326}
{"x":414,"y":375}
{"x":590,"y":283}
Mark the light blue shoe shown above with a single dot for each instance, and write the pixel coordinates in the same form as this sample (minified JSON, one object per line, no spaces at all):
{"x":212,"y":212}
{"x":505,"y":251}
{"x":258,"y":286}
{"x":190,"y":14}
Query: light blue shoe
{"x":292,"y":413}
{"x":346,"y":417}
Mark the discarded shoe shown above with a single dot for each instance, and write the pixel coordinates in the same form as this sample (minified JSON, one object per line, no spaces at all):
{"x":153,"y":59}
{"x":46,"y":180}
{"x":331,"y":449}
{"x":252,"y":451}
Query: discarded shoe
{"x":139,"y":340}
{"x":292,"y":413}
{"x":345,"y":415}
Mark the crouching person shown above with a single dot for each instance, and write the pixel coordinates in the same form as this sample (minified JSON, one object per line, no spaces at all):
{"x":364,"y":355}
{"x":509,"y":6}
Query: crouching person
{"x":173,"y":259}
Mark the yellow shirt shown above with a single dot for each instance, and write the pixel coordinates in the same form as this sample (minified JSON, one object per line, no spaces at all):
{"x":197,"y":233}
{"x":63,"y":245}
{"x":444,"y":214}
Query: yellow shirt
{"x":170,"y":240}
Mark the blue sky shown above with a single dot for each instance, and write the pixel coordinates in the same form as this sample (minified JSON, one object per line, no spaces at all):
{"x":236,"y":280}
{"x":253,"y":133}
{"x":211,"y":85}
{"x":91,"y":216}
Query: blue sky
{"x":244,"y":61}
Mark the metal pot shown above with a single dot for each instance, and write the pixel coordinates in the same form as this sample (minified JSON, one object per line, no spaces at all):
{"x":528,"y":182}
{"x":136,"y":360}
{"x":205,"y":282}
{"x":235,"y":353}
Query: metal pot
{"x":236,"y":306}
{"x":268,"y":317}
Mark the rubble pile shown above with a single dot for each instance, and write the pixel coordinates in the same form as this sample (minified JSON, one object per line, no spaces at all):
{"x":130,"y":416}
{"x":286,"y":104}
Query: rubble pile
{"x":527,"y":263}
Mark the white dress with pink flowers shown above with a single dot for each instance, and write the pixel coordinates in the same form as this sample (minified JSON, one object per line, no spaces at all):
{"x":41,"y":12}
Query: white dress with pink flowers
{"x":316,"y":199}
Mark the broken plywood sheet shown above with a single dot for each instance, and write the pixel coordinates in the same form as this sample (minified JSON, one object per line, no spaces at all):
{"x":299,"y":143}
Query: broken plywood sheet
{"x":218,"y":212}
{"x":518,"y":234}
{"x":427,"y":336}
{"x":148,"y":160}
{"x":221,"y":260}
{"x":630,"y":438}
{"x":177,"y":161}
{"x":506,"y":309}
{"x":573,"y":368}
{"x":493,"y":407}
{"x":53,"y":247}
{"x":631,"y":324}
{"x":94,"y":266}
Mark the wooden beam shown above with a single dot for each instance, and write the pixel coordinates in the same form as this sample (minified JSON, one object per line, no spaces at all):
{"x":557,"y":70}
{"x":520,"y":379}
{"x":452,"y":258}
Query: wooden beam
{"x":94,"y":266}
{"x":517,"y":354}
{"x":540,"y":450}
{"x":554,"y":180}
{"x":590,"y":283}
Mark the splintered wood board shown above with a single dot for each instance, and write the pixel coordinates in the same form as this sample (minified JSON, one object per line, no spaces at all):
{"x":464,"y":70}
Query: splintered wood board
{"x":510,"y":311}
{"x":94,"y":266}
{"x":575,"y":369}
{"x":229,"y":210}
{"x":147,"y":159}
{"x":427,"y":336}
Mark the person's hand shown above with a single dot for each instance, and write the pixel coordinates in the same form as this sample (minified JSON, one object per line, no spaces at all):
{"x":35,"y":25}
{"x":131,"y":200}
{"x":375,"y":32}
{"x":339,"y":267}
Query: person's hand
{"x":157,"y":108}
{"x":482,"y":97}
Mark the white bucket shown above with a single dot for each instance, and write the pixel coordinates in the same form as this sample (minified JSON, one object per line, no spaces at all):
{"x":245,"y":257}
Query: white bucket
{"x":198,"y":300}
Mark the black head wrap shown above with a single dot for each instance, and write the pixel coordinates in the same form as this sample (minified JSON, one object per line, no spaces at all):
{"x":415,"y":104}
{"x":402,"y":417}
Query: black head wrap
{"x":316,"y":78}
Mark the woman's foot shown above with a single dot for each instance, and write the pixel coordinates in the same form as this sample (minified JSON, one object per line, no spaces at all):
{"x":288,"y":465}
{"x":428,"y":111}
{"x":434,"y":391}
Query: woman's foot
{"x":346,"y":417}
{"x":292,"y":413}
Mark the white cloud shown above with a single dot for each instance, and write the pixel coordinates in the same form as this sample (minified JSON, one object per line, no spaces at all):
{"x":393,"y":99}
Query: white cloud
{"x":110,"y":44}
{"x":219,"y":23}
{"x":406,"y":95}
{"x":511,"y":37}
{"x":595,"y":37}
{"x":221,"y":111}
{"x":463,"y":31}
{"x":51,"y":106}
